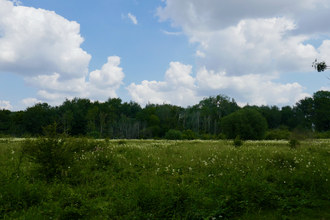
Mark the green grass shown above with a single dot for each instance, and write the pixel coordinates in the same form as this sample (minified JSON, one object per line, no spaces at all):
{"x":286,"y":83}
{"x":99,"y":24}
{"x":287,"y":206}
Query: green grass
{"x":149,"y":179}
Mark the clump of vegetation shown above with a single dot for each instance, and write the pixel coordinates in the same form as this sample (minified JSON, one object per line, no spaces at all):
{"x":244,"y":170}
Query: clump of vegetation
{"x":189,"y":135}
{"x":49,"y":153}
{"x":173,"y":135}
{"x":122,"y":142}
{"x":278,"y":134}
{"x":171,"y":180}
{"x":249,"y":124}
{"x":238,"y":141}
{"x":294,"y":143}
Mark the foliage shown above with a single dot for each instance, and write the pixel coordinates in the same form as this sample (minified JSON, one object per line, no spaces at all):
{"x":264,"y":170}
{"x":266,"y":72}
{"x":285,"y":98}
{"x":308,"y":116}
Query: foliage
{"x":248,"y":123}
{"x":171,"y":180}
{"x":50,"y":153}
{"x":278,"y":134}
{"x":173,"y":135}
{"x":320,"y":66}
{"x":237,"y":142}
{"x":94,"y":134}
{"x":117,"y":119}
{"x":294,"y":143}
{"x":188,"y":135}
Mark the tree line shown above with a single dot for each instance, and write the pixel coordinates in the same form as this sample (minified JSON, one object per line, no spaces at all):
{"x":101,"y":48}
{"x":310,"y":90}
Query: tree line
{"x":207,"y":119}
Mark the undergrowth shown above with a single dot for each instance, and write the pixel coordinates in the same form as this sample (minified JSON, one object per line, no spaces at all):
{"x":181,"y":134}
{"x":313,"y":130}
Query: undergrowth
{"x":133,"y":179}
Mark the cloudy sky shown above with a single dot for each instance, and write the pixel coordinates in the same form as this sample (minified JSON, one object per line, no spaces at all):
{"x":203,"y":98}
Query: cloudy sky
{"x":177,"y":52}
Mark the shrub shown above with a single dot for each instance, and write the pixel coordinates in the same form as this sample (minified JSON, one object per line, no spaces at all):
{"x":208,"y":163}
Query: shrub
{"x":94,"y":134}
{"x":294,"y":143}
{"x":277,"y":134}
{"x":206,"y":137}
{"x":173,"y":135}
{"x":221,"y":136}
{"x":249,"y":124}
{"x":238,"y":142}
{"x":189,"y":135}
{"x":122,"y":142}
{"x":50,"y":153}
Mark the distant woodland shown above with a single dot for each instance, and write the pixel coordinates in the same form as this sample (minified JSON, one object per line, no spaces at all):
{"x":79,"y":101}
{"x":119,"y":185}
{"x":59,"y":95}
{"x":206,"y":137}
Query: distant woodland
{"x":128,"y":120}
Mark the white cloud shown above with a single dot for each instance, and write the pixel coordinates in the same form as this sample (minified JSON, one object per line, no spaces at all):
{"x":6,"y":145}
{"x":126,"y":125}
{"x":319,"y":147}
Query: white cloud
{"x":171,"y":33}
{"x":133,"y":18}
{"x":252,"y":37}
{"x":200,"y":54}
{"x":246,"y":45}
{"x":45,"y":48}
{"x":30,"y":102}
{"x":178,"y":88}
{"x":102,"y":84}
{"x":254,"y":88}
{"x":109,"y":76}
{"x":214,"y":15}
{"x":37,"y":41}
{"x":5,"y":105}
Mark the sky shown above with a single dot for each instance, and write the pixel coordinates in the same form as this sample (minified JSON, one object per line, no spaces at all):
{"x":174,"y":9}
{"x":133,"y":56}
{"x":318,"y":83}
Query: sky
{"x":162,"y":51}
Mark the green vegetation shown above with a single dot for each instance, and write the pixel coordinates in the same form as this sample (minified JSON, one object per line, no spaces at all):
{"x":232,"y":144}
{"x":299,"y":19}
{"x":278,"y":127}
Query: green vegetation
{"x":158,"y":179}
{"x":215,"y":117}
{"x":248,"y":123}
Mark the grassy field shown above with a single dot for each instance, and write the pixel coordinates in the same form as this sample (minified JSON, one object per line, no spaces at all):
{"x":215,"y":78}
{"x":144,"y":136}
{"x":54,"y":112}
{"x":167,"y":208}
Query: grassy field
{"x":133,"y":179}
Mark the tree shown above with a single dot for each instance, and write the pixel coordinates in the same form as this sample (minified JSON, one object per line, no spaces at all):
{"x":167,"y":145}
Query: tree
{"x":320,"y":66}
{"x":321,"y":107}
{"x":248,"y":123}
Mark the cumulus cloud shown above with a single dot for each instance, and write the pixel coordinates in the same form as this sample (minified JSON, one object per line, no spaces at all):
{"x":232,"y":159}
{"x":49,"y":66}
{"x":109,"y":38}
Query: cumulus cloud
{"x":44,"y":48}
{"x":133,"y":18}
{"x":253,"y":88}
{"x":102,"y":84}
{"x":29,"y":102}
{"x":213,"y":15}
{"x":252,"y":37}
{"x":5,"y":105}
{"x":244,"y":46}
{"x":37,"y":41}
{"x":178,"y":88}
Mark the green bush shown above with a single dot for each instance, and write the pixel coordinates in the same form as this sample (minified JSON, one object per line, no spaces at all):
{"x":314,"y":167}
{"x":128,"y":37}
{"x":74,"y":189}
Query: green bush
{"x":50,"y":153}
{"x":277,"y":134}
{"x":189,"y":135}
{"x":94,"y":135}
{"x":294,"y":143}
{"x":206,"y":136}
{"x":221,"y":136}
{"x":249,"y":124}
{"x":238,"y":142}
{"x":173,"y":135}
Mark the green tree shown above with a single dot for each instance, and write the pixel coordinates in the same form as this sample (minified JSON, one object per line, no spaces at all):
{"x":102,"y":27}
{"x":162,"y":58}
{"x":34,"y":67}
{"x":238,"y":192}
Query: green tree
{"x":321,"y":107}
{"x":91,"y":116}
{"x":248,"y":123}
{"x":320,"y":66}
{"x":5,"y":121}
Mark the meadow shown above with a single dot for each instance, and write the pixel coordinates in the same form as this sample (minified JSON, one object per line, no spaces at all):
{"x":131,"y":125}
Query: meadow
{"x":79,"y":178}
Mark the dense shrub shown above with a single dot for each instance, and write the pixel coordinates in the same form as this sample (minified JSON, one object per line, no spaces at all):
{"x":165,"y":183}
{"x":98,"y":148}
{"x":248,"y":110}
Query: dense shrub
{"x":173,"y":135}
{"x":238,"y":142}
{"x":249,"y":124}
{"x":277,"y":134}
{"x":189,"y":135}
{"x":50,"y":153}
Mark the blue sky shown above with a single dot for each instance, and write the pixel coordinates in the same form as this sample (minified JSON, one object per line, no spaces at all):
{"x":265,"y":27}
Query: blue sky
{"x":161,"y":51}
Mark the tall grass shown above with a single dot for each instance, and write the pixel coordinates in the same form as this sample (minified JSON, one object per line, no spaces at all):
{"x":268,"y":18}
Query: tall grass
{"x":135,"y":179}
